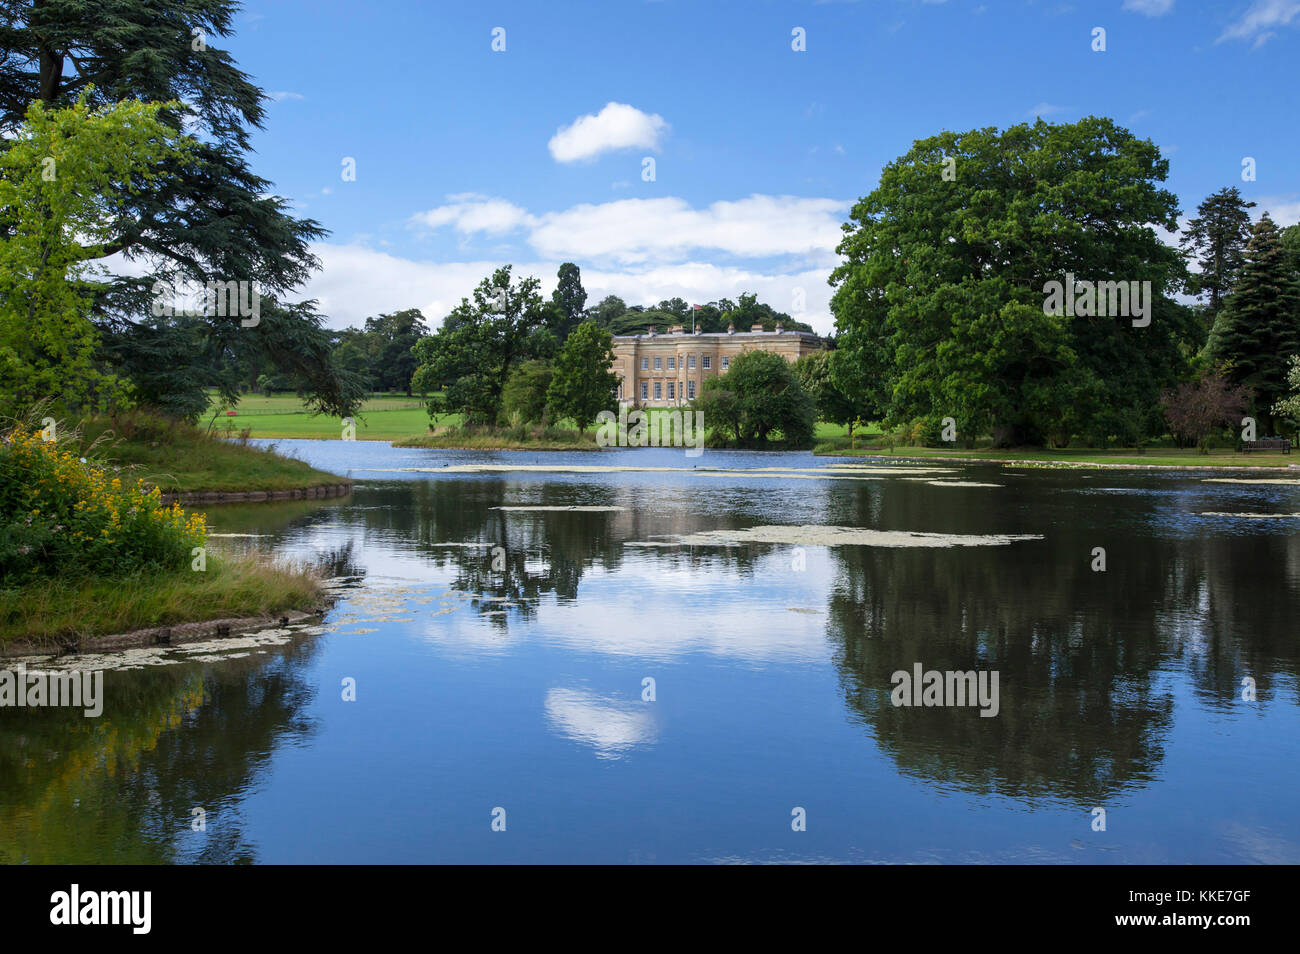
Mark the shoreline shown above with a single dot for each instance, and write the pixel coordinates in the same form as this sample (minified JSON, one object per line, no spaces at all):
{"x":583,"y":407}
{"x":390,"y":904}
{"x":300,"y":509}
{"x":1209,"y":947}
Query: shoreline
{"x":173,"y":634}
{"x":1038,"y":463}
{"x":317,"y":492}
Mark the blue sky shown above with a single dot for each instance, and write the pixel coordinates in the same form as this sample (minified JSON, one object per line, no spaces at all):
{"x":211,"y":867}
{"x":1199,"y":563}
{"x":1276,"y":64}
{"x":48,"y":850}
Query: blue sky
{"x":468,"y":157}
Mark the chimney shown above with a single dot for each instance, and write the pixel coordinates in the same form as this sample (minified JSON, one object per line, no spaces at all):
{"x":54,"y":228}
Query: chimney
{"x":757,"y":327}
{"x":676,"y":330}
{"x":652,"y":331}
{"x":778,"y":327}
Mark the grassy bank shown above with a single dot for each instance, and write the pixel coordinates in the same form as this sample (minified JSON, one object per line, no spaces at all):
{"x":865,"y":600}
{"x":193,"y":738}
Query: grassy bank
{"x":515,"y":438}
{"x":176,"y":457}
{"x":1074,"y":457}
{"x":50,"y":611}
{"x":383,"y":417}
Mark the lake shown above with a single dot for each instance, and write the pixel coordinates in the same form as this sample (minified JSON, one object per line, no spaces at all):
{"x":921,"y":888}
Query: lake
{"x":696,"y":666}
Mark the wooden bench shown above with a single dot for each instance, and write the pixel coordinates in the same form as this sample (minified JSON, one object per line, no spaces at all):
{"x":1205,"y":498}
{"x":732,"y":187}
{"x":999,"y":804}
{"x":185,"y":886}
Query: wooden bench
{"x":1267,"y":445}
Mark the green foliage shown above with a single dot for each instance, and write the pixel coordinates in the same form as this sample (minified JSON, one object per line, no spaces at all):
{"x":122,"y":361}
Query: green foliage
{"x":568,"y":298}
{"x":479,"y":343}
{"x":523,"y":400}
{"x":58,"y":177}
{"x":749,"y":311}
{"x":833,"y":406}
{"x":757,"y":398}
{"x":214,"y":219}
{"x":1259,"y":328}
{"x":583,"y":384}
{"x":62,"y":516}
{"x":940,"y":302}
{"x":1217,"y":239}
{"x":1288,"y":407}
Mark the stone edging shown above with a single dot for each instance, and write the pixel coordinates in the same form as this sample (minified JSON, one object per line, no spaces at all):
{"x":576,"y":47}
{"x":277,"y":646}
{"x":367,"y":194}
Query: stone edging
{"x":161,"y":635}
{"x":256,"y":496}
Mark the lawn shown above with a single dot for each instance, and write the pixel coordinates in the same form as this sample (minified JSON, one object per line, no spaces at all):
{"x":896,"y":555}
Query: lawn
{"x":176,"y":457}
{"x":383,"y":417}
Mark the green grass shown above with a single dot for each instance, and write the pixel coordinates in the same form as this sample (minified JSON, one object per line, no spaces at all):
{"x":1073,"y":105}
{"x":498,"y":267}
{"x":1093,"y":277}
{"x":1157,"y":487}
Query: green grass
{"x":175,"y":457}
{"x":501,"y":438}
{"x":383,"y":417}
{"x":1081,"y":457}
{"x":51,"y":612}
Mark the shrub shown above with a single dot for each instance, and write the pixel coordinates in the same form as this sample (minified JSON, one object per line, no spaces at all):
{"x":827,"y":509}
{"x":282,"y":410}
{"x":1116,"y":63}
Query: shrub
{"x":61,"y":515}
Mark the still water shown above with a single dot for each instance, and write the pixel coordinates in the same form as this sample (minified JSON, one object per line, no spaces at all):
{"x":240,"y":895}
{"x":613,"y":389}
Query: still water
{"x":638,"y":681}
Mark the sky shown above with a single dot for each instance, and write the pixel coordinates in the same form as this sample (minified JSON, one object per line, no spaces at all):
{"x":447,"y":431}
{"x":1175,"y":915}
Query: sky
{"x":535,"y":152}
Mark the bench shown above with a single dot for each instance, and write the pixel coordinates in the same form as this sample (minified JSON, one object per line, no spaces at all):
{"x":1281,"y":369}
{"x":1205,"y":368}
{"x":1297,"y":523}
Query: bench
{"x":1272,"y":444}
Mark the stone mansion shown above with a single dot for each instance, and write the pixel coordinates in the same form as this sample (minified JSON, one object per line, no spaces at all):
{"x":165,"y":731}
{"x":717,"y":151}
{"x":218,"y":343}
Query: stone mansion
{"x":668,"y":370}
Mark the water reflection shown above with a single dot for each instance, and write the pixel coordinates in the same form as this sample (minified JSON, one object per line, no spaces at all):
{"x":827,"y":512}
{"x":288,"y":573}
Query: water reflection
{"x":505,"y":650}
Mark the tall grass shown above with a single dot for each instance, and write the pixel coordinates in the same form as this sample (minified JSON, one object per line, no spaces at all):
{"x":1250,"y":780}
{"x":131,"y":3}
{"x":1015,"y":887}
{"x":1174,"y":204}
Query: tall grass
{"x":50,"y":612}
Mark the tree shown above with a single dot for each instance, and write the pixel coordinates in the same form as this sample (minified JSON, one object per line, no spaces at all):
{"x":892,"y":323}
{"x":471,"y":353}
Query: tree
{"x":1216,"y":239}
{"x":759,"y":396}
{"x":1288,"y":407}
{"x":213,"y":220}
{"x":1195,"y":409}
{"x":58,"y":175}
{"x":833,"y":406}
{"x":393,"y":338}
{"x":479,"y":343}
{"x":609,"y":308}
{"x":1259,"y":327}
{"x":584,"y":384}
{"x":749,"y":311}
{"x":569,"y":298}
{"x":524,"y":397}
{"x":940,"y":301}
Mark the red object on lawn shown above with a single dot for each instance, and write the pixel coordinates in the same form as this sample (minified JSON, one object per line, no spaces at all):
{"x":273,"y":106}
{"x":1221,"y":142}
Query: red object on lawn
{"x":231,"y":413}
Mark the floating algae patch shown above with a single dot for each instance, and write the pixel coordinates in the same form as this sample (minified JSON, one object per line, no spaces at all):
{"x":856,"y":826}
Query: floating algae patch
{"x":851,"y":537}
{"x":573,"y":509}
{"x":1250,"y":516}
{"x":228,"y":647}
{"x":833,"y":471}
{"x":1287,"y":481}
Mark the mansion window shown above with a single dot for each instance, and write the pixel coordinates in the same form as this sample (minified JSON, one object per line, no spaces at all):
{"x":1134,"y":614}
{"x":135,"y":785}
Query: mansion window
{"x":690,"y":390}
{"x":672,"y":390}
{"x":659,"y":363}
{"x":672,"y":364}
{"x":645,"y":390}
{"x":691,"y":362}
{"x":645,"y":364}
{"x":659,"y":390}
{"x":706,"y":362}
{"x":726,"y":363}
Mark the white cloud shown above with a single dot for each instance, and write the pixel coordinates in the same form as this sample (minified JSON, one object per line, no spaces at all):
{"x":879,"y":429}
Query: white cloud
{"x":1284,"y":210}
{"x":663,"y":230}
{"x":284,"y":95}
{"x":469,"y":212}
{"x":355,"y":281}
{"x":1258,"y":21}
{"x":610,"y":726}
{"x":1150,"y":8}
{"x":1046,"y":109}
{"x":617,"y":126}
{"x":656,"y":231}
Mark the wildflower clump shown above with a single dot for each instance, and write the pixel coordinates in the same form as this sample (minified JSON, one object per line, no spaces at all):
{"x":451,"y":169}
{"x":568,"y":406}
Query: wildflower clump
{"x":63,"y":515}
